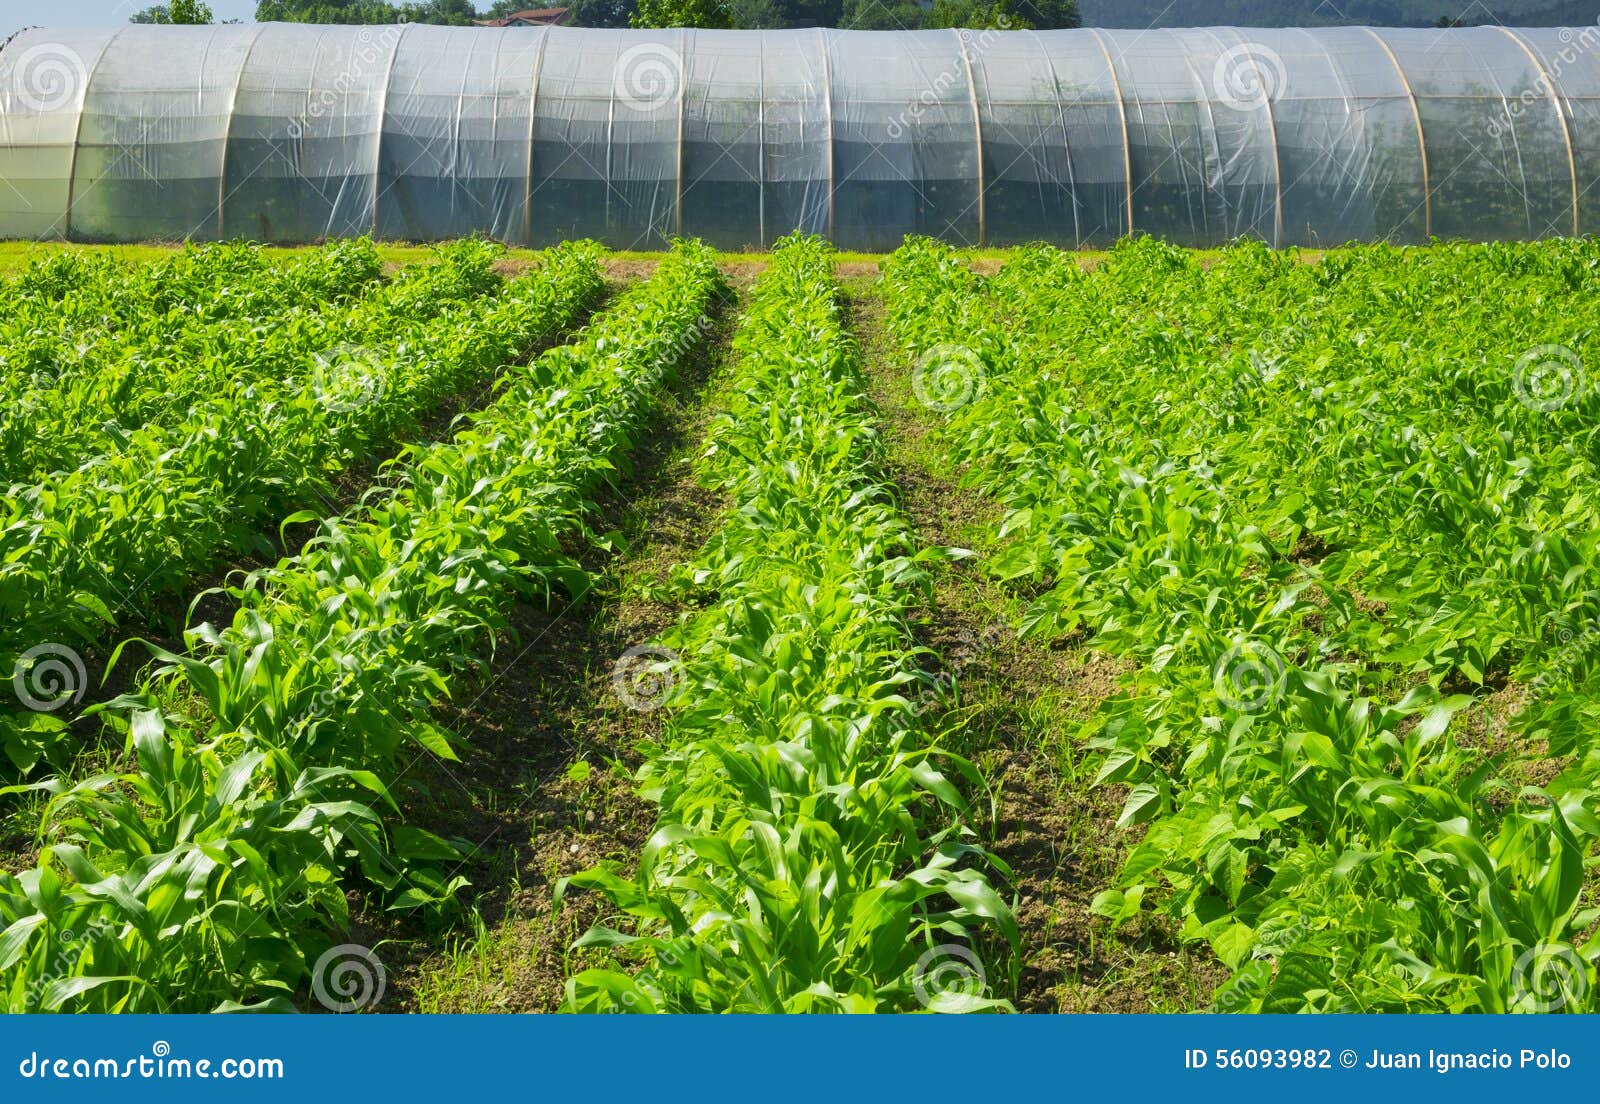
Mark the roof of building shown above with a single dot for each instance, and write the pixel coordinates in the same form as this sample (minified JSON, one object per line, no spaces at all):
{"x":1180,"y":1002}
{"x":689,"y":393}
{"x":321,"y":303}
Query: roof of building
{"x":527,"y":17}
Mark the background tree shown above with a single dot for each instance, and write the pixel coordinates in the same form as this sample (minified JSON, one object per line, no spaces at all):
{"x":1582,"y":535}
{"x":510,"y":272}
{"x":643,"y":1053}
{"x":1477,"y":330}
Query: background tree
{"x":681,"y":13}
{"x":1048,"y":15}
{"x":600,"y":13}
{"x":881,"y":15}
{"x":758,"y":15}
{"x":896,"y":14}
{"x":979,"y":15}
{"x":188,"y":12}
{"x":448,"y":13}
{"x":814,"y":13}
{"x":326,"y":11}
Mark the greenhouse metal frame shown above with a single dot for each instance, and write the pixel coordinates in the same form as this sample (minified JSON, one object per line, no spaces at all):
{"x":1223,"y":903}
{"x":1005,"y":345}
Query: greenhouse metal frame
{"x":294,"y":133}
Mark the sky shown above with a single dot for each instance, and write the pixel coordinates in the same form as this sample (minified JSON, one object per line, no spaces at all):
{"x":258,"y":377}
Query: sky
{"x":16,"y":14}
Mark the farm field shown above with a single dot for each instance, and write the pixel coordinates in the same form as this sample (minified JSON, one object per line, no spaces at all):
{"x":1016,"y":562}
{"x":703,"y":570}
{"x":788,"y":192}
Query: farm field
{"x":454,"y":629}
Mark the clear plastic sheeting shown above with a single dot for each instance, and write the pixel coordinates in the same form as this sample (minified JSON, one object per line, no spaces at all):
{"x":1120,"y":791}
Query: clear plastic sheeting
{"x":295,"y":133}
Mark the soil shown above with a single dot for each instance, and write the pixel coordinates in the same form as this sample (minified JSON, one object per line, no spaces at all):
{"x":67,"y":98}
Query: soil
{"x":617,"y":269}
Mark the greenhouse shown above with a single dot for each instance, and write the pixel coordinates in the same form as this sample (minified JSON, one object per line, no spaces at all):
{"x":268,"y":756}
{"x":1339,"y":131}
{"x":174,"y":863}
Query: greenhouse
{"x":295,"y":133}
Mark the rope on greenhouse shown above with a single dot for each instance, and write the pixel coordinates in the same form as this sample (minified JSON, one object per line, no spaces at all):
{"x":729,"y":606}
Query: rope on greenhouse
{"x":1122,"y":114}
{"x":827,"y":98}
{"x":533,"y":122}
{"x":1061,"y":116}
{"x":1422,"y":142}
{"x":1561,"y":115}
{"x":1272,"y":131}
{"x":977,"y":129}
{"x":77,"y":129}
{"x":382,"y":118}
{"x":761,"y":141}
{"x":683,"y":95}
{"x":227,"y":133}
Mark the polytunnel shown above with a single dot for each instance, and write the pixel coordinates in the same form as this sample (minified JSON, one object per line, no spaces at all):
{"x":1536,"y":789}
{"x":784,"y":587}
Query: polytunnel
{"x":294,"y":133}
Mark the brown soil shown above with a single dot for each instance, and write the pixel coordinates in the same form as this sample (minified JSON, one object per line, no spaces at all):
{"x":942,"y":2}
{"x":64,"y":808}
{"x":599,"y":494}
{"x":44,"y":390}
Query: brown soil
{"x":512,"y":267}
{"x":618,"y":269}
{"x":846,"y":271}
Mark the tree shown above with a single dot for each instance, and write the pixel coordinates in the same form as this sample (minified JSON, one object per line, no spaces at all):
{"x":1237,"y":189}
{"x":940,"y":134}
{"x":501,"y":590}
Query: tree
{"x":1048,"y":15}
{"x":882,"y":15}
{"x":814,"y":13}
{"x":979,"y":15}
{"x":681,"y":13}
{"x":758,"y":15}
{"x":188,"y":12}
{"x":448,"y":13}
{"x":326,"y":11}
{"x":858,"y":14}
{"x":600,"y":13}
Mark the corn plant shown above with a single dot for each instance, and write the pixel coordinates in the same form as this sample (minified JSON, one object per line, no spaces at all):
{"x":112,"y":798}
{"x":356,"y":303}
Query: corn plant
{"x":94,"y":348}
{"x":213,"y":873}
{"x":140,"y":522}
{"x":1326,"y":539}
{"x":810,"y":851}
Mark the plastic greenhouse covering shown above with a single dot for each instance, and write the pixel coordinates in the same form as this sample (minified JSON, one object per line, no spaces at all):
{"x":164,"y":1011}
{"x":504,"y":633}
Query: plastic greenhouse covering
{"x":294,"y":133}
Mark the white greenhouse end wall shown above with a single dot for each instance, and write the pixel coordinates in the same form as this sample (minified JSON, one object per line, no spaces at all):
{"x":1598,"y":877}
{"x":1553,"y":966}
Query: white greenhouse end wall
{"x":294,"y":133}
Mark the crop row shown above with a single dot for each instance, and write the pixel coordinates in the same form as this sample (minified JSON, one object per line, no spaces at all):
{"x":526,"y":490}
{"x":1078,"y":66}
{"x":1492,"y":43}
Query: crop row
{"x":143,"y":520}
{"x":77,"y":369}
{"x":81,"y":290}
{"x":1314,"y":535}
{"x":212,"y":874}
{"x":810,"y":852}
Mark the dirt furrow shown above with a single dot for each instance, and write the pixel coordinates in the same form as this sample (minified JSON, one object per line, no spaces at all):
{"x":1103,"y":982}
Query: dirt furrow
{"x":1017,"y":708}
{"x":546,"y":788}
